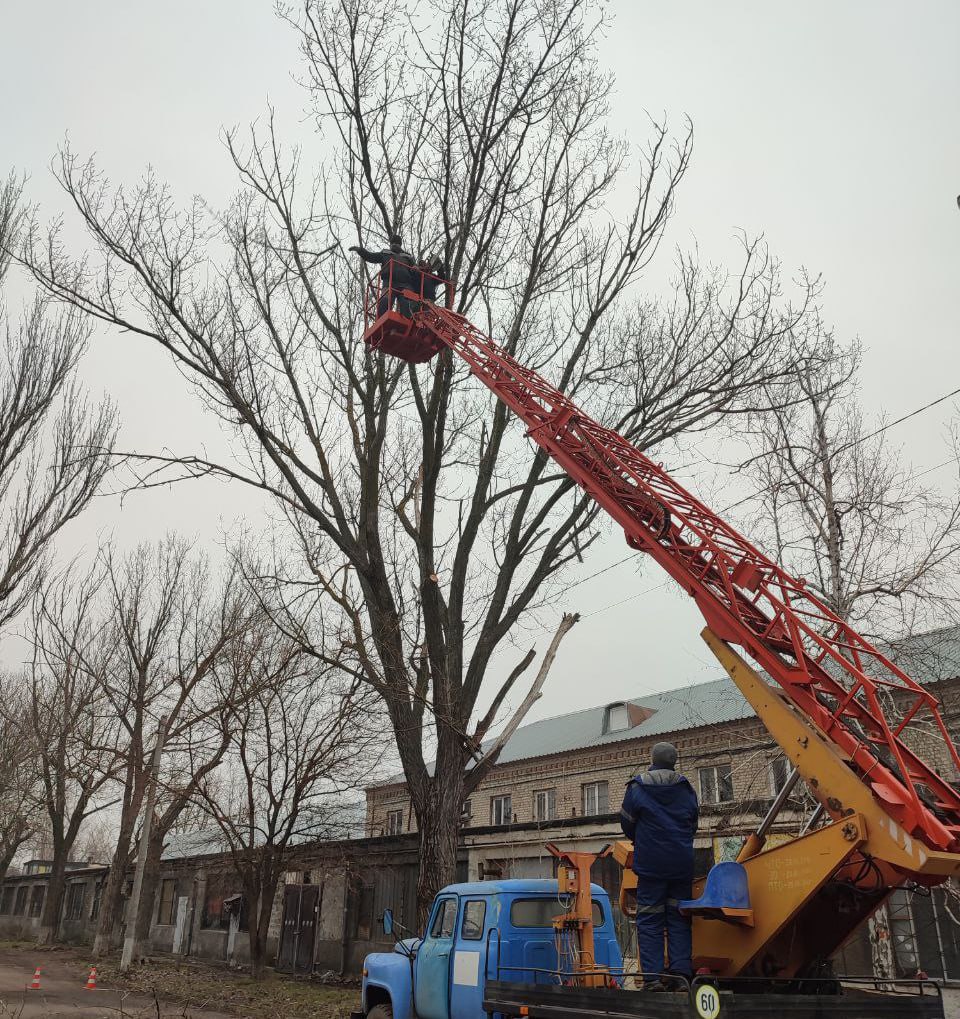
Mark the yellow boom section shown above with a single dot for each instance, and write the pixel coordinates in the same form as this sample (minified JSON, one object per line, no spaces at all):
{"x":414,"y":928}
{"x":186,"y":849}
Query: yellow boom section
{"x":810,"y":894}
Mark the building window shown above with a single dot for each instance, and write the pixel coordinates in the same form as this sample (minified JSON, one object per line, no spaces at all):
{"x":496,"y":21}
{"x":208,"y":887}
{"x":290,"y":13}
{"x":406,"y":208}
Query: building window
{"x":616,"y":717}
{"x":780,"y":769}
{"x":394,"y":822}
{"x":501,"y":810}
{"x":75,"y":896}
{"x":466,"y":812}
{"x":36,"y":900}
{"x":168,"y":898}
{"x":97,"y":896}
{"x":6,"y":902}
{"x":21,"y":904}
{"x":716,"y":784}
{"x":215,"y":917}
{"x":363,"y":929}
{"x":545,"y":805}
{"x":596,"y":799}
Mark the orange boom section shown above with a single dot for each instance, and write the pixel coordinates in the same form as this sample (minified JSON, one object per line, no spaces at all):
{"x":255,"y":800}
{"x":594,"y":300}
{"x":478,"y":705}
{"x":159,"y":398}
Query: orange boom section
{"x":836,"y":678}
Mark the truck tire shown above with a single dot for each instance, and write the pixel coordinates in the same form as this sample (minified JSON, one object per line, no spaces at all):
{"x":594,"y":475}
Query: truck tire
{"x":380,"y":1012}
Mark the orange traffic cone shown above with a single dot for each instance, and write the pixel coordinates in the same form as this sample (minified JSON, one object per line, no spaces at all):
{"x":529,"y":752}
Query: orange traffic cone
{"x":92,"y":979}
{"x":35,"y":983}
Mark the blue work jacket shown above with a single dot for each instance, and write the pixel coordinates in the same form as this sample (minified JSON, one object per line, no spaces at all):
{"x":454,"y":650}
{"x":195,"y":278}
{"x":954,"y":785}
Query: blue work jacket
{"x":659,"y":815}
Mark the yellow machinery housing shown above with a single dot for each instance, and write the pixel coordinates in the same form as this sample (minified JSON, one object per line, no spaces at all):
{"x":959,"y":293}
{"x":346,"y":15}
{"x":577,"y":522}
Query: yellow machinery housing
{"x":810,"y":894}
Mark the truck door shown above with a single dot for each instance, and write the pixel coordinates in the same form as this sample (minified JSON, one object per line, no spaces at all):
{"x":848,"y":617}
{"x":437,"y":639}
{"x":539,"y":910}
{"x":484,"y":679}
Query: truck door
{"x":431,"y":989}
{"x":467,"y":972}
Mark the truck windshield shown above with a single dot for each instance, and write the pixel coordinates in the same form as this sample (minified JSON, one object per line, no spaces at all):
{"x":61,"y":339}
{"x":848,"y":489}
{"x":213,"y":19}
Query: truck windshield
{"x":541,"y":912}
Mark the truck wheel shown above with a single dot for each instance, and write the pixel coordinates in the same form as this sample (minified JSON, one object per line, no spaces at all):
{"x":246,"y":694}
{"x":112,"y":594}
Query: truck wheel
{"x":380,"y":1012}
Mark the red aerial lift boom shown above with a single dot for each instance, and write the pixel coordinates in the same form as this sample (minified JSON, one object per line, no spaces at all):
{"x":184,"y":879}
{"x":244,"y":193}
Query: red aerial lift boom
{"x":836,"y":678}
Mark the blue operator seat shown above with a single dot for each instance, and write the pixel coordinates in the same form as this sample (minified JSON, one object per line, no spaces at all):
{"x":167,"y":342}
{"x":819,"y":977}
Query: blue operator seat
{"x":725,"y":896}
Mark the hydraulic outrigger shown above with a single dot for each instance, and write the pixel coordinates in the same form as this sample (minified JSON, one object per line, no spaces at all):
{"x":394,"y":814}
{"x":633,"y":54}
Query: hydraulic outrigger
{"x":893,"y":820}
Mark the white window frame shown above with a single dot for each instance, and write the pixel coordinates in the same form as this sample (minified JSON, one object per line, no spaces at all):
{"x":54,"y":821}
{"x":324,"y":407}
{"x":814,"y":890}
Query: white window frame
{"x":592,"y":790}
{"x":504,"y":800}
{"x":395,"y":821}
{"x":710,"y":790}
{"x":548,"y":799}
{"x":783,"y":762}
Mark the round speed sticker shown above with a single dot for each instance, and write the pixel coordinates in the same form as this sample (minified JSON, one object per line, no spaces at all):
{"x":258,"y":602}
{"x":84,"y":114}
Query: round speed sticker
{"x":707,"y":1000}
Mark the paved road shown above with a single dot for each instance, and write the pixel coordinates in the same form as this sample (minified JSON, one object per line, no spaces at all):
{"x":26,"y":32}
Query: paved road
{"x":63,"y":996}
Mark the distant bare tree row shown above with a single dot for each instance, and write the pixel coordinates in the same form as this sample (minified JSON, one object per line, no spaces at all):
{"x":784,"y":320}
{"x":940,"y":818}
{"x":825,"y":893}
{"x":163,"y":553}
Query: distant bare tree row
{"x":257,"y":738}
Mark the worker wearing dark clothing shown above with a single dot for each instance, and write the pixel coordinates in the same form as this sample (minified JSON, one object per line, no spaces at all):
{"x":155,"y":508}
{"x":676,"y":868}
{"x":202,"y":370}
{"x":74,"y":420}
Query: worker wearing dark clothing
{"x":659,"y":815}
{"x":393,"y":277}
{"x":437,"y":277}
{"x":434,"y":275}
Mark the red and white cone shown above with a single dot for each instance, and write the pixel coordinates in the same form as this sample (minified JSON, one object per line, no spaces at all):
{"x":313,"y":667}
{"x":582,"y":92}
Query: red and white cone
{"x":35,"y":983}
{"x":91,"y":984}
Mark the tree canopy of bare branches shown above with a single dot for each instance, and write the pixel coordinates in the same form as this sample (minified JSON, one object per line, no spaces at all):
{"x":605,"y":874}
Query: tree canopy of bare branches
{"x":71,"y":722}
{"x":414,"y":508}
{"x":168,"y":624}
{"x":19,"y":774}
{"x":839,"y":506}
{"x":302,"y":737}
{"x":53,"y":443}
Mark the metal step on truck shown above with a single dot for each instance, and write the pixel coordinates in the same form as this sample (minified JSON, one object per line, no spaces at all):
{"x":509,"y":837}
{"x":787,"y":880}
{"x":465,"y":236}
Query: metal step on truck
{"x":543,"y":949}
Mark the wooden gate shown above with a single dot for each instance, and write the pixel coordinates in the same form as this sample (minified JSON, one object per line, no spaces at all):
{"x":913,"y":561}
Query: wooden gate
{"x":298,"y":930}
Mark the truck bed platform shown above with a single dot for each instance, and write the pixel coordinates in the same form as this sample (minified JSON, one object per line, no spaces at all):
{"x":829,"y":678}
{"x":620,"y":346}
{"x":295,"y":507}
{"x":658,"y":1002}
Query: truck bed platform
{"x":911,"y":1000}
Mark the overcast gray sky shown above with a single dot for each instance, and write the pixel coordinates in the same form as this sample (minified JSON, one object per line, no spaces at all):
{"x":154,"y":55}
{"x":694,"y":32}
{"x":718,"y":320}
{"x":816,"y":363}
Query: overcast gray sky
{"x":831,"y":128}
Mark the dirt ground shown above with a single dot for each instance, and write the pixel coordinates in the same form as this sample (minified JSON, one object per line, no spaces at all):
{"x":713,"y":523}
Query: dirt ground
{"x":160,"y":990}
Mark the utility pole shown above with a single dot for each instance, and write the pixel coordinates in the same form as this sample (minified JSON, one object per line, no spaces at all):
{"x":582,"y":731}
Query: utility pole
{"x":130,"y":938}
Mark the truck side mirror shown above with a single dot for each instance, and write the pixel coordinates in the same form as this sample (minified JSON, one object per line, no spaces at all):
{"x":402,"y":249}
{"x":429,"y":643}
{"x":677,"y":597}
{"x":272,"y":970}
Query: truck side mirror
{"x":387,"y":921}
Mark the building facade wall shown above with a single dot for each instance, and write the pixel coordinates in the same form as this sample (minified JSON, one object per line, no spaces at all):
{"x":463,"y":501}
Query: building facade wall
{"x":743,"y":746}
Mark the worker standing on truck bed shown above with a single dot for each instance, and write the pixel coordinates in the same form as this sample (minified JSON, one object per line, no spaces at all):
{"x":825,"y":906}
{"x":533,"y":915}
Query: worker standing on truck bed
{"x":659,"y":815}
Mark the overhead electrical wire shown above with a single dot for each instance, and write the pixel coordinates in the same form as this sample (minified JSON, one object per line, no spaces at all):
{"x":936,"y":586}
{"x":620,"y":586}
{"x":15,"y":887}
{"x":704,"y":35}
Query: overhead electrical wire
{"x":864,"y":438}
{"x":837,"y":452}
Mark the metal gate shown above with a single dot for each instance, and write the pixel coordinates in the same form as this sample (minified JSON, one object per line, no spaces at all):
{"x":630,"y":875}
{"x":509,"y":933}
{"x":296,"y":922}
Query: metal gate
{"x":298,"y":930}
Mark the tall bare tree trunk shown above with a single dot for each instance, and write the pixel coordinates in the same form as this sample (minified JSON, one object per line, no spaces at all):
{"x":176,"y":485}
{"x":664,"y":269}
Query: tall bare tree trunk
{"x":50,"y":916}
{"x":148,"y":893}
{"x":112,"y":897}
{"x":439,"y":826}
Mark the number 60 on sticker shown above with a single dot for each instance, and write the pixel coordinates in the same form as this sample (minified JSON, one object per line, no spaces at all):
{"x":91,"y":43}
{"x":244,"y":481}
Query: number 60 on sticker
{"x":707,"y":1001}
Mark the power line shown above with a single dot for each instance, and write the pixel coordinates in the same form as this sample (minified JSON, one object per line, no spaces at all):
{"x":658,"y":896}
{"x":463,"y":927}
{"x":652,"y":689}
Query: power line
{"x":864,"y":438}
{"x":801,"y":533}
{"x":740,"y":502}
{"x":630,"y":597}
{"x":619,"y":562}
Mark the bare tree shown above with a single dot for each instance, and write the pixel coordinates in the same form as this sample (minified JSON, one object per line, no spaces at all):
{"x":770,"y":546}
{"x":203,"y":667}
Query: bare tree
{"x":412,"y":504}
{"x":302,"y":737}
{"x":838,"y":506}
{"x":196,"y":747}
{"x":19,"y":773}
{"x":73,"y":726}
{"x":53,"y":444}
{"x":170,"y":622}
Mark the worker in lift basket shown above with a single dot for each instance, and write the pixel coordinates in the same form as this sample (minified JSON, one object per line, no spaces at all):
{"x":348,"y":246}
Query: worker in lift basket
{"x":403,"y":275}
{"x":659,"y":815}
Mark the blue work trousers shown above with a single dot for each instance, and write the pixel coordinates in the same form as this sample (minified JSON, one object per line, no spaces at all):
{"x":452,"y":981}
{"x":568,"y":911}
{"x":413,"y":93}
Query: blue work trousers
{"x":657,"y":914}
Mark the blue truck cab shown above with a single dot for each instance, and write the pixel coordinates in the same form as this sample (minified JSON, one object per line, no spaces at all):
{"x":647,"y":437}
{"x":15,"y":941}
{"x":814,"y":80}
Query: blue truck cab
{"x":487,"y":930}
